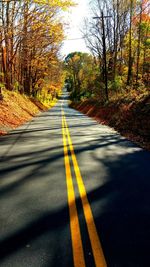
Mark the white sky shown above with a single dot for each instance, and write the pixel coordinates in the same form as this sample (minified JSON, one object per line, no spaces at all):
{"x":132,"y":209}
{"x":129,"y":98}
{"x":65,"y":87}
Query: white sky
{"x":75,"y":20}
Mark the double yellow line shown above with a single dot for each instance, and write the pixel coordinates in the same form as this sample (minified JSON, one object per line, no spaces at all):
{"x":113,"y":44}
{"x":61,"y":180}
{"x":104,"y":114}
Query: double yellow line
{"x":77,"y":246}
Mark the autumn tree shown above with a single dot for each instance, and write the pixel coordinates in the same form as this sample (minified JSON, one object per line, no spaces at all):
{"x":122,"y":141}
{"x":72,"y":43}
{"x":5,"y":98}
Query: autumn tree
{"x":81,"y":73}
{"x":106,"y":35}
{"x":142,"y":23}
{"x":31,"y":34}
{"x":121,"y":29}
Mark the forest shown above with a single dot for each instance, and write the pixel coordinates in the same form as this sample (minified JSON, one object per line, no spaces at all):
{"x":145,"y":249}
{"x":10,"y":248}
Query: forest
{"x":31,"y":33}
{"x":112,"y":84}
{"x":118,"y":35}
{"x":116,"y":32}
{"x":112,"y":80}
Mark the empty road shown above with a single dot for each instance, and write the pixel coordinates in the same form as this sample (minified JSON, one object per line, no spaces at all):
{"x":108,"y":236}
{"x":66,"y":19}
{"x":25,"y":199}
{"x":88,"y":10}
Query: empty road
{"x":73,"y":193}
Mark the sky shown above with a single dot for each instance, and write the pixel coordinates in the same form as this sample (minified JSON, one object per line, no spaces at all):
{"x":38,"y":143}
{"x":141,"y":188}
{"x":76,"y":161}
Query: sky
{"x":75,"y":19}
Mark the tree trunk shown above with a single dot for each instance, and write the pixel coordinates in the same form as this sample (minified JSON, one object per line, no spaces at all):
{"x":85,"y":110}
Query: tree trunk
{"x":25,"y":55}
{"x":130,"y":59}
{"x":139,"y":42}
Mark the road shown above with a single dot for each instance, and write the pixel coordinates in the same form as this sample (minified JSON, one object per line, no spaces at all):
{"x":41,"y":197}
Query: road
{"x":73,"y":193}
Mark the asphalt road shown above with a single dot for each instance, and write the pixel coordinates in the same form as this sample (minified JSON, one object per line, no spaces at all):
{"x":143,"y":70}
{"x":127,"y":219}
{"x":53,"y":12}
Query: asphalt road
{"x":73,"y":193}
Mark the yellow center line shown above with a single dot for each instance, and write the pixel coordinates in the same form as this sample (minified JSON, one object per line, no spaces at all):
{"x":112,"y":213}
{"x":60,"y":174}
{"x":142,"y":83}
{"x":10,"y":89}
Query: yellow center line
{"x":93,"y":235}
{"x":78,"y":255}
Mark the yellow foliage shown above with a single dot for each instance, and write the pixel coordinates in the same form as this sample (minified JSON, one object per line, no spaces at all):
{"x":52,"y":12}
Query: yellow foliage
{"x":63,"y":4}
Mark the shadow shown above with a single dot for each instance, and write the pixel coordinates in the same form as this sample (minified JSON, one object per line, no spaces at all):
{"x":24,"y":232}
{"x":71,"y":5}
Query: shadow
{"x":38,"y":164}
{"x":41,"y":158}
{"x":123,"y":223}
{"x":48,"y":222}
{"x":119,"y":201}
{"x":6,"y":139}
{"x":124,"y":219}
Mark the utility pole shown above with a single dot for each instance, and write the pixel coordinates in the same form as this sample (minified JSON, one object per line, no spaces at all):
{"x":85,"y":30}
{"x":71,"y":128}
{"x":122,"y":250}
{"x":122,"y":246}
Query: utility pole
{"x":130,"y":60}
{"x":104,"y":53}
{"x":104,"y":58}
{"x":139,"y":42}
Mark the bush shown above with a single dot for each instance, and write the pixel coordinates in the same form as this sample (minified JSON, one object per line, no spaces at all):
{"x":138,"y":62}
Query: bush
{"x":117,"y":83}
{"x":16,"y":86}
{"x":2,"y":85}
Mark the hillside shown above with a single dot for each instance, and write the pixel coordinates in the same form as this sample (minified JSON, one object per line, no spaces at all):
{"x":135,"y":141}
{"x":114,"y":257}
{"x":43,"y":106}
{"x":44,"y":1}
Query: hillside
{"x":131,"y":119}
{"x":16,"y":109}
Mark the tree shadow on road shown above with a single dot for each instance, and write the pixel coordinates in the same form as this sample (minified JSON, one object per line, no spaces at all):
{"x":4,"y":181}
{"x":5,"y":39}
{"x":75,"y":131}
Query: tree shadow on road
{"x":123,"y":223}
{"x":120,"y":203}
{"x":124,"y":217}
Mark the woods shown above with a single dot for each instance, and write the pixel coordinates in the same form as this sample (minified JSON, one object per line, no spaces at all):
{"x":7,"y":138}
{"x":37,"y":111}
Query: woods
{"x":116,"y":33}
{"x":115,"y":71}
{"x":31,"y":34}
{"x":118,"y":36}
{"x":74,"y":133}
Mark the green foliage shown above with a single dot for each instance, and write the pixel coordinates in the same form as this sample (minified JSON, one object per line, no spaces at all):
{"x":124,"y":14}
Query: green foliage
{"x":2,"y":85}
{"x":116,"y":84}
{"x":69,"y":83}
{"x":147,"y":42}
{"x":81,"y":74}
{"x":16,"y":86}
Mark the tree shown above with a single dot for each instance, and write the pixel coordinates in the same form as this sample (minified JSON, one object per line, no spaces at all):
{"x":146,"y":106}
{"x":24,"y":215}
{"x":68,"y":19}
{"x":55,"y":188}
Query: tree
{"x":24,"y":60}
{"x":81,"y":74}
{"x":130,"y":59}
{"x":122,"y":46}
{"x":106,"y":41}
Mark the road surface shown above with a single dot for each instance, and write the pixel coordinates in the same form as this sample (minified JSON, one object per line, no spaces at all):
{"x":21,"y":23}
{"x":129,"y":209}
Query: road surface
{"x":73,"y":193}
